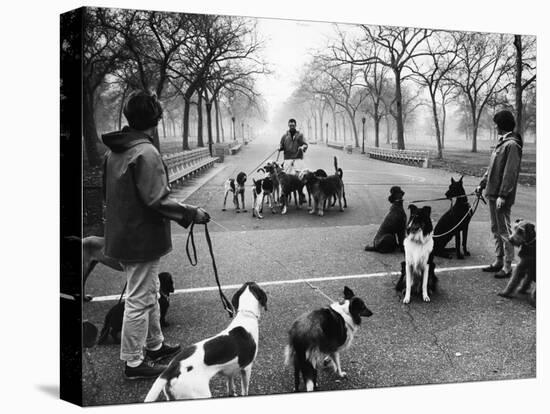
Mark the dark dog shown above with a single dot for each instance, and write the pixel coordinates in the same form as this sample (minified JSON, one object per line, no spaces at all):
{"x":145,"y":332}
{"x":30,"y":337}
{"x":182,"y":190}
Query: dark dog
{"x":391,"y":233}
{"x":418,"y":252}
{"x":454,"y":222}
{"x":112,"y":326}
{"x":235,"y":186}
{"x":261,"y":189}
{"x":525,"y":274}
{"x":321,"y":334}
{"x":306,"y":177}
{"x":324,"y":188}
{"x":290,"y":184}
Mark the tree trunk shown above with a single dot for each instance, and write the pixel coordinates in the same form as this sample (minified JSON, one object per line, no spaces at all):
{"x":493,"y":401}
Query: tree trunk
{"x":399,"y":111}
{"x":163,"y":128}
{"x":443,"y":122}
{"x":388,"y":130}
{"x":436,"y":124}
{"x":186,"y":106}
{"x":335,"y":137}
{"x":518,"y":85}
{"x":90,"y":132}
{"x":354,"y":128}
{"x":217,"y":109}
{"x":475,"y":125}
{"x":377,"y":120}
{"x":121,"y":108}
{"x":344,"y":128}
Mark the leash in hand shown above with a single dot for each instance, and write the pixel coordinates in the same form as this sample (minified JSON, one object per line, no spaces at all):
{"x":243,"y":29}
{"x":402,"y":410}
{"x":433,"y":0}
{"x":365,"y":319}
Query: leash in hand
{"x":191,"y":240}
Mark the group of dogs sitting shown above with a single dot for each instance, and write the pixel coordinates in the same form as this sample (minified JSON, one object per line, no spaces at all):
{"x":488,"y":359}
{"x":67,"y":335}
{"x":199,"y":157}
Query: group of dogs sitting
{"x":278,"y":186}
{"x":420,"y":242}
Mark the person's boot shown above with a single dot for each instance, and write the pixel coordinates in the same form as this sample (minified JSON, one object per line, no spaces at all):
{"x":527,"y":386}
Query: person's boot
{"x":145,"y":370}
{"x":164,"y":351}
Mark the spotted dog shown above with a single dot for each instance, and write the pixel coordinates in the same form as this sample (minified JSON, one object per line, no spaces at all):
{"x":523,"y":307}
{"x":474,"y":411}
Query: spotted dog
{"x":319,"y":336}
{"x":235,"y":186}
{"x":523,"y":236}
{"x":229,"y":353}
{"x":261,"y":189}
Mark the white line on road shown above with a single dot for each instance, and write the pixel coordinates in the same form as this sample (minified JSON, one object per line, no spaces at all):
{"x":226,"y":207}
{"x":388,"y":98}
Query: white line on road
{"x":296,"y":281}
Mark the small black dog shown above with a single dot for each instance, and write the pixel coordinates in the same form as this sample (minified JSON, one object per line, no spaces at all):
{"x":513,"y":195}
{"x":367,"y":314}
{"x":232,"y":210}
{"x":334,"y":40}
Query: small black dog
{"x":460,"y":210}
{"x":113,"y":320}
{"x":393,"y":226}
{"x":524,"y":236}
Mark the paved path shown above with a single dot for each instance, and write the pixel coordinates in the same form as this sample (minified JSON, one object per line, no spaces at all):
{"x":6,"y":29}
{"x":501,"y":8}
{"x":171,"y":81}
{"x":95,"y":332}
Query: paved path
{"x":467,"y":332}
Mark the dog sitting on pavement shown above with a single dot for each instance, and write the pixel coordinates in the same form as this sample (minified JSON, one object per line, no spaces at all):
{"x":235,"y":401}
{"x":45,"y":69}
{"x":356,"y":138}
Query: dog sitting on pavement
{"x":321,"y":334}
{"x":112,"y":325}
{"x":418,"y":253}
{"x":324,"y":188}
{"x":391,"y":233}
{"x":229,"y":353}
{"x":524,"y":275}
{"x":235,"y":186}
{"x":454,"y":222}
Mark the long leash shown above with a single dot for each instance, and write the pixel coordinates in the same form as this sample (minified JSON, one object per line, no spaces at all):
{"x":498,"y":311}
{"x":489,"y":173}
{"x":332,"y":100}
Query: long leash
{"x":191,"y":239}
{"x":447,"y":198}
{"x":313,"y":287}
{"x":469,"y":213}
{"x":264,"y":160}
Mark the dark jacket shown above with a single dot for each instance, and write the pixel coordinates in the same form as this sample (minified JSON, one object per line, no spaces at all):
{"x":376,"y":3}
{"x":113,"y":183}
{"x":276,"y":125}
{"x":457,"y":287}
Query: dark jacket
{"x":501,"y":178}
{"x":290,"y":145}
{"x":137,"y":194}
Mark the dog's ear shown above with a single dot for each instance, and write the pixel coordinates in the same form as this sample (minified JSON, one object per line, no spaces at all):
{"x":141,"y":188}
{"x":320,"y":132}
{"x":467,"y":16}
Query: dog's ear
{"x":452,"y":180}
{"x":461,"y":177}
{"x":348,"y":293}
{"x":236,"y":296}
{"x":427,"y":210}
{"x":259,"y":294}
{"x":530,"y":230}
{"x":413,"y":208}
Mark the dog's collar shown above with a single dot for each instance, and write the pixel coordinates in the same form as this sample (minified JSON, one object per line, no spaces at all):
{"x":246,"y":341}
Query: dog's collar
{"x":247,"y":312}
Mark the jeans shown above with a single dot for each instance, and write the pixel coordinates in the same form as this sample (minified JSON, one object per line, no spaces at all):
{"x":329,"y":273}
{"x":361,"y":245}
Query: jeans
{"x":141,"y":323}
{"x":500,"y":227}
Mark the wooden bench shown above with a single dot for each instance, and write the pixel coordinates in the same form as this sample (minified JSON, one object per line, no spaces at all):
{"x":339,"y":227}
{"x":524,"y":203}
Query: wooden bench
{"x":234,"y":147}
{"x":183,"y":164}
{"x":409,"y":157}
{"x":334,"y":144}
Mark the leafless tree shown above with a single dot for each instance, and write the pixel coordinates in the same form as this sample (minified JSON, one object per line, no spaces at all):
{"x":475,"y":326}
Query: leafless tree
{"x":525,"y":65}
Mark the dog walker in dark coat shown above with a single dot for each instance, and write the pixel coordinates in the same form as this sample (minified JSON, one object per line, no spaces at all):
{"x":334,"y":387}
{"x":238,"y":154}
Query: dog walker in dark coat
{"x":460,"y":211}
{"x":391,"y":233}
{"x":112,"y":326}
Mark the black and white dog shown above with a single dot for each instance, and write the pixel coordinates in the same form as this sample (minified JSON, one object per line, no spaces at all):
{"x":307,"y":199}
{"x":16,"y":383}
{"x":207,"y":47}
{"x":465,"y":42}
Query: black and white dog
{"x":261,"y":189}
{"x":391,"y":233}
{"x":235,"y":186}
{"x":418,"y":251}
{"x":323,"y":334}
{"x":229,"y":353}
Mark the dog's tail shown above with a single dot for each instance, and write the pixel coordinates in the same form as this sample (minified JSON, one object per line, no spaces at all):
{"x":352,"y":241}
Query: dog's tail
{"x":156,"y":389}
{"x":104,"y":331}
{"x":335,"y":164}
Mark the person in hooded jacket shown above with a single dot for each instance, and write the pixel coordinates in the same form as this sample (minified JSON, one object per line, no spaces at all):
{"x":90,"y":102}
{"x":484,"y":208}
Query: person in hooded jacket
{"x":137,"y":229}
{"x":500,"y":184}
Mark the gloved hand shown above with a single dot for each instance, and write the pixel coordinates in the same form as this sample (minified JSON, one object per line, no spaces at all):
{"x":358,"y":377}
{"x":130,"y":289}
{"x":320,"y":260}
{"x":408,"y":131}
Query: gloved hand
{"x":202,"y":217}
{"x":304,"y":148}
{"x":500,"y":202}
{"x":478,"y":190}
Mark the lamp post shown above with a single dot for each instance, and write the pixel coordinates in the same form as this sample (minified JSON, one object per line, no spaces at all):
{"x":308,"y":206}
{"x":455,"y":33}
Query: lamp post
{"x":363,"y":120}
{"x":242,"y":129}
{"x":233,"y":120}
{"x":326,"y":127}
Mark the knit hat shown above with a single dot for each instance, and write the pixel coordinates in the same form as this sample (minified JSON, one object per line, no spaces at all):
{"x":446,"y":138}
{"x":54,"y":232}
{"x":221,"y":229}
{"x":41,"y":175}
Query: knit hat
{"x":505,"y":121}
{"x":142,"y":110}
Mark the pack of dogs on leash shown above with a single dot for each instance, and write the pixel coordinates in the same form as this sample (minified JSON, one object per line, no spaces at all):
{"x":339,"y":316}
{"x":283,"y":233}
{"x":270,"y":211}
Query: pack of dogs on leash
{"x":316,"y":338}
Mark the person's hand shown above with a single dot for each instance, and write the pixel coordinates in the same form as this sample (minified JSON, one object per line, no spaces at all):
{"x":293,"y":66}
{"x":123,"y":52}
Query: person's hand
{"x":202,"y":217}
{"x":478,"y":190}
{"x":500,"y":202}
{"x":304,"y":148}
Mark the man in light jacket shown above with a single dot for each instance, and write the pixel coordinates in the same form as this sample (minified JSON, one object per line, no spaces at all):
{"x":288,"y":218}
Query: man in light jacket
{"x":500,"y":183}
{"x":137,"y":230}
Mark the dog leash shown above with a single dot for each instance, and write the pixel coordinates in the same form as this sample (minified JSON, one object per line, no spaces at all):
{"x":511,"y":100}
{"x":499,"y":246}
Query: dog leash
{"x":191,"y":239}
{"x":260,"y":164}
{"x":447,"y":198}
{"x":316,"y":288}
{"x":469,"y":213}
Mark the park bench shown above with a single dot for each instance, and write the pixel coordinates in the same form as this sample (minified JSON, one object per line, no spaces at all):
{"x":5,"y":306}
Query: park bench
{"x":234,"y":147}
{"x":409,"y":157}
{"x":183,"y":164}
{"x":334,"y":144}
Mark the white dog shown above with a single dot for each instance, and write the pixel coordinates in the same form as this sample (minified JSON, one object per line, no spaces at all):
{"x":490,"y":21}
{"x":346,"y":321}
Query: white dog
{"x":230,"y":353}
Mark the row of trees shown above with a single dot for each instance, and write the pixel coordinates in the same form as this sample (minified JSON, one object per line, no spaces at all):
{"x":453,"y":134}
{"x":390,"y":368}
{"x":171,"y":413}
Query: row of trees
{"x":383,"y":72}
{"x":209,"y":62}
